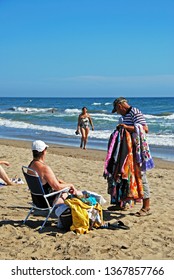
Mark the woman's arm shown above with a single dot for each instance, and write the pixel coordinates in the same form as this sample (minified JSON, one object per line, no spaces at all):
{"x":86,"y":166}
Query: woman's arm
{"x":91,"y":122}
{"x":78,"y":123}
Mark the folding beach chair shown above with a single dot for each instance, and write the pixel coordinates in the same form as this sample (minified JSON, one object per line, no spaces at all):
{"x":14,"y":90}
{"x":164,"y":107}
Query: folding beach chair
{"x":40,"y":200}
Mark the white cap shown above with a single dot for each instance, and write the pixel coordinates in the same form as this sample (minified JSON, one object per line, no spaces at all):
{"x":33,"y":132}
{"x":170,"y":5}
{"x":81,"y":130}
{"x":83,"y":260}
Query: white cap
{"x":39,"y":146}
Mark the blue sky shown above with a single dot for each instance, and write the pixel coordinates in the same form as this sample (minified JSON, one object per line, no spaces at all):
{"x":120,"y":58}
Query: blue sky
{"x":86,"y":48}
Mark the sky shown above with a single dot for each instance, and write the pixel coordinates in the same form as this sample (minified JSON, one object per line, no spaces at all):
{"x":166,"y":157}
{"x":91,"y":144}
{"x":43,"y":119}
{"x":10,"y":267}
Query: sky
{"x":86,"y":48}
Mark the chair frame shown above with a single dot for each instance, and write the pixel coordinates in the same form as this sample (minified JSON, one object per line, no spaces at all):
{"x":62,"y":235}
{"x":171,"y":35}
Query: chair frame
{"x":34,"y":207}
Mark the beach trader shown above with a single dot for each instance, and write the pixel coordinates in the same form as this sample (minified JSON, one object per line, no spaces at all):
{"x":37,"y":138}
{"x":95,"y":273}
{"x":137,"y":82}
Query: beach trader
{"x":131,"y":119}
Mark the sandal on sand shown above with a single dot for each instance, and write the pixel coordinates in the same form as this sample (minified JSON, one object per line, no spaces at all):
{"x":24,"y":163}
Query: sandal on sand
{"x":115,"y":208}
{"x":118,"y":225}
{"x":143,"y":212}
{"x":114,"y":226}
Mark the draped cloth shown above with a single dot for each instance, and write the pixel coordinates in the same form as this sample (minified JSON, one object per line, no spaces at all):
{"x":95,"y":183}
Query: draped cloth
{"x":123,"y":170}
{"x":131,"y":171}
{"x":80,"y":217}
{"x":142,"y":151}
{"x":110,"y":150}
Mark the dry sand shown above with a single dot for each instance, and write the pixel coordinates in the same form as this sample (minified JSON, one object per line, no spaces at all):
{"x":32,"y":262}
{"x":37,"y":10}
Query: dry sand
{"x":150,"y":237}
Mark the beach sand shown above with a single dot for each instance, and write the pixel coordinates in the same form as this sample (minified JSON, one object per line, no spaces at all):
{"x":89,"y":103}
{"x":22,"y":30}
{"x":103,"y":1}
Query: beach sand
{"x":150,"y":237}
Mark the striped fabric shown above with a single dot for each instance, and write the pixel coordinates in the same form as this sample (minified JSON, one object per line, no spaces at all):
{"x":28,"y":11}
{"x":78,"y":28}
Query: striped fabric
{"x":133,"y":116}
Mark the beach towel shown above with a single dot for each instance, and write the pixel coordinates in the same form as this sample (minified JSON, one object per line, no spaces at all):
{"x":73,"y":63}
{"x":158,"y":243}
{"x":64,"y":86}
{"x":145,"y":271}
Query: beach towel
{"x":142,"y":151}
{"x":17,"y":181}
{"x":80,"y":217}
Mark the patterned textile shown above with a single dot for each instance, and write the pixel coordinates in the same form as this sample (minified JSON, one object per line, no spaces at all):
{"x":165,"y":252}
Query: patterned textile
{"x":131,"y":171}
{"x":133,"y":116}
{"x":142,"y":150}
{"x":110,"y":150}
{"x":124,"y":176}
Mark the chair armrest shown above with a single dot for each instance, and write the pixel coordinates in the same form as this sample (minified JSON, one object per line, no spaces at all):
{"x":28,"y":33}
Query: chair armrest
{"x":57,"y":192}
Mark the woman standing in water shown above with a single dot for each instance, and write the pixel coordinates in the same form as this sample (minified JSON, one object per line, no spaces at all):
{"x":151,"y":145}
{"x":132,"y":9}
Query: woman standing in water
{"x":83,"y":127}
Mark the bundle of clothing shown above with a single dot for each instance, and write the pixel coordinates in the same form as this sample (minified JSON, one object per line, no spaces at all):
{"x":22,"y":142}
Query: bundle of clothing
{"x":86,"y":212}
{"x":127,"y":157}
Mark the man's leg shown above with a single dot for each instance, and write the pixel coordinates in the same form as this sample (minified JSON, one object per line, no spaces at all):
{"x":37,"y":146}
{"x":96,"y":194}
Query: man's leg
{"x":145,"y":210}
{"x":146,"y":199}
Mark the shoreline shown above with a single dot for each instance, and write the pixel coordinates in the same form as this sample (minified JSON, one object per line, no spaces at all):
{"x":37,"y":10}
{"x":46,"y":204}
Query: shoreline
{"x":71,"y":151}
{"x":160,"y":152}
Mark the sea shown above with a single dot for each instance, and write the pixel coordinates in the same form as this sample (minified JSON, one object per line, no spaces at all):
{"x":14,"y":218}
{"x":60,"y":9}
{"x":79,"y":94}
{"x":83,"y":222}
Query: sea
{"x":54,"y":120}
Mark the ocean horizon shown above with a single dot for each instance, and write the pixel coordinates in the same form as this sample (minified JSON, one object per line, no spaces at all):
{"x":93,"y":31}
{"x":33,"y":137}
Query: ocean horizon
{"x":54,"y":120}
